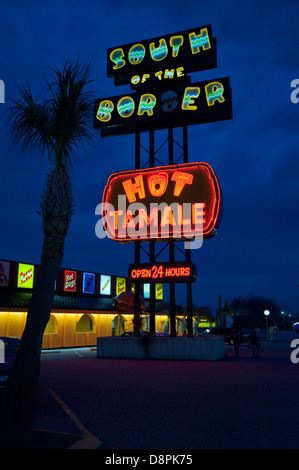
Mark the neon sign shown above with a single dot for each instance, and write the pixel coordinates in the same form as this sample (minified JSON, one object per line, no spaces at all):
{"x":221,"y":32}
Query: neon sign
{"x":203,"y":102}
{"x":25,"y":275}
{"x":70,"y":281}
{"x":180,"y":271}
{"x":190,"y":51}
{"x":178,"y":201}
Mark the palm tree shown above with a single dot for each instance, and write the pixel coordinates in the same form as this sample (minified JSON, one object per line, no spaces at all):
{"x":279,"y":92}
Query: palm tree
{"x":57,"y":125}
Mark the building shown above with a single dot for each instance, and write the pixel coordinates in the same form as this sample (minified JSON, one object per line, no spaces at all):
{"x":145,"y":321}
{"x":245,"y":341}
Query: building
{"x":83,"y":307}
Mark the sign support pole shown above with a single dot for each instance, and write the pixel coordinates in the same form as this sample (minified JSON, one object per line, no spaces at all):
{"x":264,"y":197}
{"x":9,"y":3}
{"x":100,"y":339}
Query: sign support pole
{"x":137,"y":244}
{"x":152,"y":302}
{"x":171,"y":248}
{"x":188,"y":251}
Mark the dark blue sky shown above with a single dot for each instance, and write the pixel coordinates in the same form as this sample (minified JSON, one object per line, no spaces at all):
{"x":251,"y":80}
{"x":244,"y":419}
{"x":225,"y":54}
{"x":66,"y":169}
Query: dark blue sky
{"x":255,"y":155}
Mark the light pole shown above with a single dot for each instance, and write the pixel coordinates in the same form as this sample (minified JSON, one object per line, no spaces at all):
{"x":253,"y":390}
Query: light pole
{"x":267,"y":313}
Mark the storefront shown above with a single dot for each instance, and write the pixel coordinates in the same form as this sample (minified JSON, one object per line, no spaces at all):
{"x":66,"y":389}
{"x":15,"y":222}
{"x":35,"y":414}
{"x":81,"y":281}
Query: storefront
{"x":83,"y":307}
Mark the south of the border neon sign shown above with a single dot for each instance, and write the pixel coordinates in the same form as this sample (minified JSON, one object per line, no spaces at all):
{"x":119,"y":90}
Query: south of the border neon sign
{"x":178,"y":201}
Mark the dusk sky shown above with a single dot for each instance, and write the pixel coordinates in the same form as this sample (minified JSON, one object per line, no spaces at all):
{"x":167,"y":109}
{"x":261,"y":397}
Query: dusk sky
{"x":255,"y":155}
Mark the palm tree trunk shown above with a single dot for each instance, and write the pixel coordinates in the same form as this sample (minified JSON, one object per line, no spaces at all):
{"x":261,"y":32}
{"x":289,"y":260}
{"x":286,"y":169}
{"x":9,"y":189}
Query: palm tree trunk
{"x":21,"y":391}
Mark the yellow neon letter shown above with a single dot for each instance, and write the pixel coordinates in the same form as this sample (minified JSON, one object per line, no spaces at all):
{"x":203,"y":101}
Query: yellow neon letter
{"x":160,"y":52}
{"x":202,"y":40}
{"x":145,"y":76}
{"x":214,"y":92}
{"x":188,"y":101}
{"x":169,"y":73}
{"x":180,"y":71}
{"x":104,"y":111}
{"x":117,"y":58}
{"x":146,"y":104}
{"x":176,"y":42}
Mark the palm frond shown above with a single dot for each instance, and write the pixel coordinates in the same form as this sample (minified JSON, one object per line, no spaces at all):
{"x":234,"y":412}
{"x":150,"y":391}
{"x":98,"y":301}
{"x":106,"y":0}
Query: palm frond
{"x":30,"y":122}
{"x":59,"y":123}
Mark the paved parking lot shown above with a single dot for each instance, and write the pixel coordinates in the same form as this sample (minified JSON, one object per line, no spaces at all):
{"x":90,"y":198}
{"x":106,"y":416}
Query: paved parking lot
{"x":242,"y":403}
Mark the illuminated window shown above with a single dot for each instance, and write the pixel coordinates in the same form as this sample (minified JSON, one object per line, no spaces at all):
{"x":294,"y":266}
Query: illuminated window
{"x":25,"y":275}
{"x":52,"y":326}
{"x":84,"y":325}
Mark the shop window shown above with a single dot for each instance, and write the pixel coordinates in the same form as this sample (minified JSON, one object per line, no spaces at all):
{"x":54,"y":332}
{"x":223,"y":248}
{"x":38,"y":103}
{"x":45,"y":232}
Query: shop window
{"x":85,"y":324}
{"x":52,"y":326}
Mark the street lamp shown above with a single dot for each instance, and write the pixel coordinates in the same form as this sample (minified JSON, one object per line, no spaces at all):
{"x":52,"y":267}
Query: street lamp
{"x":267,"y":313}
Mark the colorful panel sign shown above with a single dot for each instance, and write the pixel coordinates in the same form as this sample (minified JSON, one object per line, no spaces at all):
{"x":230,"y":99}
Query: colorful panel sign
{"x":159,"y":291}
{"x":4,"y":273}
{"x":179,"y":271}
{"x":171,"y":106}
{"x":190,"y":50}
{"x":88,"y":283}
{"x":178,"y":201}
{"x":146,"y":291}
{"x":25,"y":275}
{"x":70,"y":281}
{"x":120,"y":285}
{"x":105,"y":285}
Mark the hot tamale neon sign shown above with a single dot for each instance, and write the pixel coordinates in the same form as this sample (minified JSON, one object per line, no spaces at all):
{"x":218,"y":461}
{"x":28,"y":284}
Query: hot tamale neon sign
{"x":177,"y":201}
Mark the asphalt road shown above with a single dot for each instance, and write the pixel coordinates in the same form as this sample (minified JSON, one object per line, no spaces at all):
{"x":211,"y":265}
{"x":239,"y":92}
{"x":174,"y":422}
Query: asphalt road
{"x":243,"y":403}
